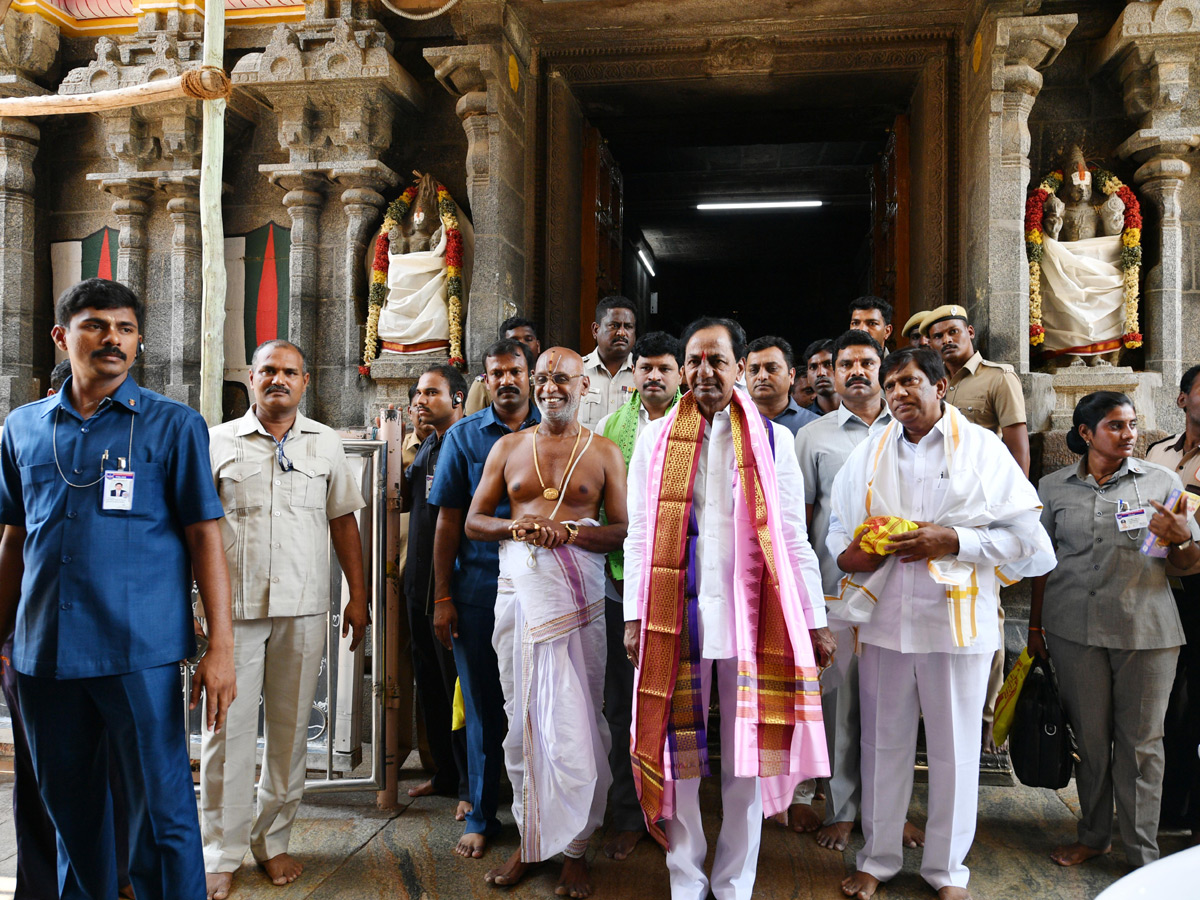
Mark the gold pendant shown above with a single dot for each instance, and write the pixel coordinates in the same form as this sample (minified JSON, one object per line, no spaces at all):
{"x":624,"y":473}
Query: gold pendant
{"x":550,"y":493}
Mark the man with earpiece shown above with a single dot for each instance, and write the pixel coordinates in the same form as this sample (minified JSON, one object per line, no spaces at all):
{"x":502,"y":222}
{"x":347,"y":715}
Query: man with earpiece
{"x":438,"y":401}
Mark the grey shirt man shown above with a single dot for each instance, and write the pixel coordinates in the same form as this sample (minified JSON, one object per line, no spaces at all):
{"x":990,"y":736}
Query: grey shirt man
{"x":823,"y":446}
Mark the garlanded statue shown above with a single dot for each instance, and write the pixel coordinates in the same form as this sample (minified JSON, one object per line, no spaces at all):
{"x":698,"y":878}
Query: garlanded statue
{"x":419,"y":276}
{"x":1084,"y":261}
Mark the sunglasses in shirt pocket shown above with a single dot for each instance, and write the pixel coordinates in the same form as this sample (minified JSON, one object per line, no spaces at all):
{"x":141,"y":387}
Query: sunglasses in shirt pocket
{"x":310,"y":481}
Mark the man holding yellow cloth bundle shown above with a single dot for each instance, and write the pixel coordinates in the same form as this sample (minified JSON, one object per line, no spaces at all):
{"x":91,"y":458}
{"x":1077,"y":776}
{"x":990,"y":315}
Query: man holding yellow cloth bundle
{"x":927,"y":610}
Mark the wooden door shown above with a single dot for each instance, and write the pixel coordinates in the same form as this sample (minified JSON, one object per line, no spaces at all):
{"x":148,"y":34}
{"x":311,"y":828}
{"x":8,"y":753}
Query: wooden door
{"x":889,"y":215}
{"x":603,"y":210}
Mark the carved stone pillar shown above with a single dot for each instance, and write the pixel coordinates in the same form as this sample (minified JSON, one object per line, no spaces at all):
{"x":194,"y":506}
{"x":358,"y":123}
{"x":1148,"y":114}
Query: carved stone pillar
{"x":186,"y":287}
{"x":304,"y":202}
{"x":131,"y":206}
{"x":336,"y":91}
{"x":363,"y":202}
{"x":18,"y":147}
{"x":28,"y":46}
{"x":1022,"y":46}
{"x":1149,"y":52}
{"x":490,"y":107}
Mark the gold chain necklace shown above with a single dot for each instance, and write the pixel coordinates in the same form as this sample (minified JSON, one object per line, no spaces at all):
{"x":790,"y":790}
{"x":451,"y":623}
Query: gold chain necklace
{"x":551,"y":493}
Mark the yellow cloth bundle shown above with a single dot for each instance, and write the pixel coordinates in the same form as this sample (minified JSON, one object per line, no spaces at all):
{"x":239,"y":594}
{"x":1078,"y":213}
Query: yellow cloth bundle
{"x":877,"y":531}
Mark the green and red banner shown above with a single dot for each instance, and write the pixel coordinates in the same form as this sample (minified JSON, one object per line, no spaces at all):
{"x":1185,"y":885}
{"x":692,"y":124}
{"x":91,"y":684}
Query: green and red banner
{"x":94,"y":256}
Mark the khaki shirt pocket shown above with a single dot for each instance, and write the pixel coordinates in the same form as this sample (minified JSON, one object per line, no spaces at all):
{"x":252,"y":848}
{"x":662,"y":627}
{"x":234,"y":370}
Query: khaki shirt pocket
{"x":241,"y":487}
{"x":310,"y":482}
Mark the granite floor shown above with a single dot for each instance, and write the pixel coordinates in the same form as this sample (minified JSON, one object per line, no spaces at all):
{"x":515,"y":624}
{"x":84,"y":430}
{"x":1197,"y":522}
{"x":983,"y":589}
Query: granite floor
{"x":353,"y":851}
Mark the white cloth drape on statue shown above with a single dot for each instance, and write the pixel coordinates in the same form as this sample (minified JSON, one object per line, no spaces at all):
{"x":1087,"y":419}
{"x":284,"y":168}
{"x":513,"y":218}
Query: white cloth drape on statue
{"x":415,"y":309}
{"x":1082,"y":294}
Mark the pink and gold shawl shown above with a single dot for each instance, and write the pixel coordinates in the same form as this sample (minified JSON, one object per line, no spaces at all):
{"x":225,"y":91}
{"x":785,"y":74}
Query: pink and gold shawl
{"x":779,"y":736}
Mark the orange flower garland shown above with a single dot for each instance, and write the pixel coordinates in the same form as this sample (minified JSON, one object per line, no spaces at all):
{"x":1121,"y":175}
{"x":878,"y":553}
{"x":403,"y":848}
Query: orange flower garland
{"x":1131,"y":250}
{"x":455,"y":290}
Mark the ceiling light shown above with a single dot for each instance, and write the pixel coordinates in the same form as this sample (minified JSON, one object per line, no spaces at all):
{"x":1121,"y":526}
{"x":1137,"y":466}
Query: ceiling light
{"x":645,"y":261}
{"x":765,"y":204}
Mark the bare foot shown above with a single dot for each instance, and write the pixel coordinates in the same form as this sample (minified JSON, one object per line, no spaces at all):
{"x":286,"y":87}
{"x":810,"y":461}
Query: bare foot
{"x":803,"y":818}
{"x":573,"y":882}
{"x":913,"y":836}
{"x":1074,"y":854}
{"x":282,"y":869}
{"x":861,"y":886}
{"x":464,"y":807}
{"x":835,"y":836}
{"x":988,"y":741}
{"x":424,"y":789}
{"x":219,"y":884}
{"x":126,"y":892}
{"x":510,"y":873}
{"x":471,"y":846}
{"x":622,"y":843}
{"x":950,"y":892}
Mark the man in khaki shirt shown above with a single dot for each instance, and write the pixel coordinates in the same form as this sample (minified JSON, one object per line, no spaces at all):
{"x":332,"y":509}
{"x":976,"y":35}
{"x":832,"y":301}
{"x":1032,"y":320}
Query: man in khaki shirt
{"x":287,"y":492}
{"x":1181,"y":454}
{"x":987,"y":394}
{"x":609,"y":367}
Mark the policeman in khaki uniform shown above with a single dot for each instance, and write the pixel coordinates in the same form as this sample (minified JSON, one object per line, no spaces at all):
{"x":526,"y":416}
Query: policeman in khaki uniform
{"x":288,"y":493}
{"x":988,"y":394}
{"x":912,"y":329}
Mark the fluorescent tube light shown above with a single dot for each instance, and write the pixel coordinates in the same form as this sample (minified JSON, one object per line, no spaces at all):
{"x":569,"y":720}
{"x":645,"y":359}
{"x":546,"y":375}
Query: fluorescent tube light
{"x":645,"y":261}
{"x":765,"y":204}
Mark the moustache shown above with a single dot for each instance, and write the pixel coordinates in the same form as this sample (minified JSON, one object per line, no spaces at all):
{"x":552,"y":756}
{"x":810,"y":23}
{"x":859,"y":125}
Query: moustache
{"x":115,"y":352}
{"x":278,"y":389}
{"x":858,"y":379}
{"x":654,"y":386}
{"x":507,"y":389}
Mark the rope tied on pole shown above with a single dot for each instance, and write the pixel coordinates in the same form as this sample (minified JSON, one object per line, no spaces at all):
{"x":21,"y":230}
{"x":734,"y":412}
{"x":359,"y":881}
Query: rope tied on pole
{"x":206,"y":83}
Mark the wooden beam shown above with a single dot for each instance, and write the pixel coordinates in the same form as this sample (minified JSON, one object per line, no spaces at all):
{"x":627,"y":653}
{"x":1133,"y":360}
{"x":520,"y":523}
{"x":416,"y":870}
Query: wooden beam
{"x":208,"y":83}
{"x":212,"y":230}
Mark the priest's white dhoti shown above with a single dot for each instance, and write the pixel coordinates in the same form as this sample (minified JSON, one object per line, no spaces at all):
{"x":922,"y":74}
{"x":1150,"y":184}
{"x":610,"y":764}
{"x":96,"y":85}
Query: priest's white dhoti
{"x":1083,"y":295}
{"x":414,"y":318}
{"x":557,"y":746}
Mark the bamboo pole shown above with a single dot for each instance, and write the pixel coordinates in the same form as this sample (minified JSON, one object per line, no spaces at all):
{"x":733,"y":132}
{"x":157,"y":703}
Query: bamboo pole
{"x":205,"y":84}
{"x":212,"y":232}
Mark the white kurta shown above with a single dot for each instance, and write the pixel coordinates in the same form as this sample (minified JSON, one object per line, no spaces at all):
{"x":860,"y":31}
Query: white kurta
{"x":910,"y":662}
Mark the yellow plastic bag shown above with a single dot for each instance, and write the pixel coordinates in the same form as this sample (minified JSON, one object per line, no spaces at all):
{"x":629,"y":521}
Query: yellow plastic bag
{"x":458,"y":711}
{"x":877,"y":532}
{"x":1006,"y":700}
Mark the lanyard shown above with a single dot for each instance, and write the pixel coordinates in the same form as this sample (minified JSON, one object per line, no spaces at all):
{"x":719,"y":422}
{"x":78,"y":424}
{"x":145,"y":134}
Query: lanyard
{"x":1121,"y":504}
{"x":103,"y":459}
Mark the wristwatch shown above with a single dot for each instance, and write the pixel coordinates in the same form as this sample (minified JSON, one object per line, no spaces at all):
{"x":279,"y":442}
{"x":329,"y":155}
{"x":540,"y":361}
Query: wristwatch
{"x":572,"y":531}
{"x":1184,"y":545}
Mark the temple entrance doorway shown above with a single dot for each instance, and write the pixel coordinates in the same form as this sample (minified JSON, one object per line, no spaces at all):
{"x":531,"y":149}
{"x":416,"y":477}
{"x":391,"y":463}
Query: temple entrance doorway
{"x":838,"y":131}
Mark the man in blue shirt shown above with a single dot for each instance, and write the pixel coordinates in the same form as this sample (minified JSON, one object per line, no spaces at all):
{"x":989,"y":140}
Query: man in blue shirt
{"x":465,"y":574}
{"x":98,"y":583}
{"x":770,"y":371}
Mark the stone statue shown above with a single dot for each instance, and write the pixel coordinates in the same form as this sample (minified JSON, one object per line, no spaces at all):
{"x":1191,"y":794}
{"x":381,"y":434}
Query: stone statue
{"x":415,"y":318}
{"x":1082,"y":282}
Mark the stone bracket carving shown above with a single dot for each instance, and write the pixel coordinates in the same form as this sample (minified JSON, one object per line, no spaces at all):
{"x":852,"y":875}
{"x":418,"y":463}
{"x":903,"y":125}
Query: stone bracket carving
{"x":28,"y":49}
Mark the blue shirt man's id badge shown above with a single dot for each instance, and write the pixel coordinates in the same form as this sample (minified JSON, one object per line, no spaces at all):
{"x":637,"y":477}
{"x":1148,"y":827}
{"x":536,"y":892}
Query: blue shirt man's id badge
{"x":117,"y":491}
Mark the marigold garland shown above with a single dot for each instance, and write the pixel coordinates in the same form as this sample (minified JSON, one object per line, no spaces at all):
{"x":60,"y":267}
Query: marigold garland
{"x":455,"y":291}
{"x":1131,"y":250}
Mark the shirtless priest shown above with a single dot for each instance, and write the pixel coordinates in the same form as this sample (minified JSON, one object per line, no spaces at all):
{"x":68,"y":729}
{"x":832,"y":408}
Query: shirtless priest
{"x":549,"y":635}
